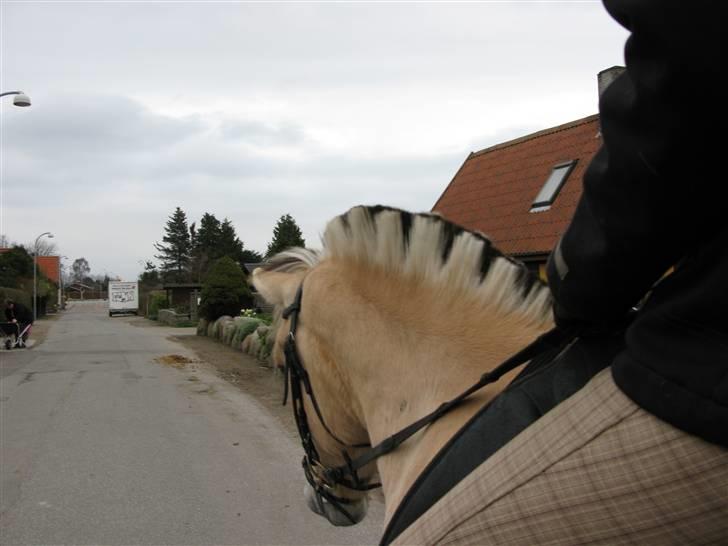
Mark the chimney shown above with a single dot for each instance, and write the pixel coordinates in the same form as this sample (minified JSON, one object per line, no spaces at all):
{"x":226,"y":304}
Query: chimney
{"x":607,"y":76}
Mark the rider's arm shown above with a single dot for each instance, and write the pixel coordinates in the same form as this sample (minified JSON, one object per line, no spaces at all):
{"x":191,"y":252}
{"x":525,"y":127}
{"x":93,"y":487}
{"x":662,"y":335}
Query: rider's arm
{"x":657,"y":184}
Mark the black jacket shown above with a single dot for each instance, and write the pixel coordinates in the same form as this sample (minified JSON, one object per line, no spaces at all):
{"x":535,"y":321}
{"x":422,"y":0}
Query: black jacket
{"x":655,"y":197}
{"x":20,"y":313}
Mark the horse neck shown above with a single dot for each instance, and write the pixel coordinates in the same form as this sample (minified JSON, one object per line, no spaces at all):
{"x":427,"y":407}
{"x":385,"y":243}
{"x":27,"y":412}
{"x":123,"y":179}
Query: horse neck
{"x":406,"y":349}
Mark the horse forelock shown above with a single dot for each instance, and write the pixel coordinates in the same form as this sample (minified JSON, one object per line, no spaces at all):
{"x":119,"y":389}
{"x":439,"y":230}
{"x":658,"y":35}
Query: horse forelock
{"x":427,"y":247}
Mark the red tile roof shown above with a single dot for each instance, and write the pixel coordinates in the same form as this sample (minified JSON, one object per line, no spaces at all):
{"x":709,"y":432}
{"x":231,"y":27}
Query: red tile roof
{"x":51,"y":267}
{"x":493,"y":190}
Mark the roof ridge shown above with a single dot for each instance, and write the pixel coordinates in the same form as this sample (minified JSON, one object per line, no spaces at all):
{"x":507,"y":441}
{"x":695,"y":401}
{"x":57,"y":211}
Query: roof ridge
{"x":537,"y":134}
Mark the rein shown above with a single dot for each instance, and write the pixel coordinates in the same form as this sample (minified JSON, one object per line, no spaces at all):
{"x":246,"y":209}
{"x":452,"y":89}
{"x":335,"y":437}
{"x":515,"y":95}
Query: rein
{"x":322,"y":478}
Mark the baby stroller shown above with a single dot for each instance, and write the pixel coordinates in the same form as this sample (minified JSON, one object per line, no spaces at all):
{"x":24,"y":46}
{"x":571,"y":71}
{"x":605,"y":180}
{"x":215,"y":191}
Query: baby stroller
{"x":14,"y":336}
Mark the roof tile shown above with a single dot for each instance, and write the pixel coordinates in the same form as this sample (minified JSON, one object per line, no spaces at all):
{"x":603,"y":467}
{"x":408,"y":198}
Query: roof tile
{"x":493,"y":190}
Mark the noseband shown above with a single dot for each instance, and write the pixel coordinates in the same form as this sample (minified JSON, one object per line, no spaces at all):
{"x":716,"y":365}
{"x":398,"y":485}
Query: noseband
{"x":323,"y":479}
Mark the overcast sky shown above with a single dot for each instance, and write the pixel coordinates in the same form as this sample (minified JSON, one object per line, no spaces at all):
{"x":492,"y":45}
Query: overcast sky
{"x":252,"y":110}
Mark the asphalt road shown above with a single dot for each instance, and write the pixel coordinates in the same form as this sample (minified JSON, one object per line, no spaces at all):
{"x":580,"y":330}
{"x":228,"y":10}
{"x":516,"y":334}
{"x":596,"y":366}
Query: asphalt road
{"x":100,"y":444}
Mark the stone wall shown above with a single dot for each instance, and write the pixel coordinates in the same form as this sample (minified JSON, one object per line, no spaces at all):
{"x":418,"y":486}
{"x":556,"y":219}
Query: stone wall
{"x":249,"y":335}
{"x":170,"y":317}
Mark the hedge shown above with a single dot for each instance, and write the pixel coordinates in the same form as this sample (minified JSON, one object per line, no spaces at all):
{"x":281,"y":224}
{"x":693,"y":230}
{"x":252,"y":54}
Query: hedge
{"x":14,"y":294}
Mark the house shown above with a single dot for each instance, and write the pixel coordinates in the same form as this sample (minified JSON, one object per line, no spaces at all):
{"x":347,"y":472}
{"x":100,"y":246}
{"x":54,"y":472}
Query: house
{"x":523,"y":193}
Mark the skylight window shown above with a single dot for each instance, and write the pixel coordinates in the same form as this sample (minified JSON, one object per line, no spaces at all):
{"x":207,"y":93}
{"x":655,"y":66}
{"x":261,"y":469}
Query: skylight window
{"x":552,"y":187}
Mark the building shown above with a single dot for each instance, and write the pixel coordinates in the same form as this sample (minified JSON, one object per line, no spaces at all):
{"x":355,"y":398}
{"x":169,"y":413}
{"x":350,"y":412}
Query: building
{"x":523,"y":193}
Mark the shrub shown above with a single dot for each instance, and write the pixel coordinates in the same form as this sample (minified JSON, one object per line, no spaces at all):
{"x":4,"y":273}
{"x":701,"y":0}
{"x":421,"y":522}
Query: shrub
{"x":225,"y":290}
{"x":15,"y":265}
{"x":157,"y":301}
{"x":14,"y":294}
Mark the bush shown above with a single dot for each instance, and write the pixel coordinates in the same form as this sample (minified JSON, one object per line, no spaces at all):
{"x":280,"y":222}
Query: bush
{"x":257,"y":314}
{"x":225,"y":290}
{"x":157,"y":301}
{"x":16,"y":295}
{"x":15,"y":266}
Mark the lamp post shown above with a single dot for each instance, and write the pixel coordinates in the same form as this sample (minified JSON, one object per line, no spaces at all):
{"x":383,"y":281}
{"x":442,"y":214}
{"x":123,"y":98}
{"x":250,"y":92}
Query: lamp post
{"x":35,"y":272}
{"x":20,"y":98}
{"x":60,"y":281}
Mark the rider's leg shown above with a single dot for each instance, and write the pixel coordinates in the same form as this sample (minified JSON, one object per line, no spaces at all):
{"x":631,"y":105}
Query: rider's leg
{"x":597,"y":469}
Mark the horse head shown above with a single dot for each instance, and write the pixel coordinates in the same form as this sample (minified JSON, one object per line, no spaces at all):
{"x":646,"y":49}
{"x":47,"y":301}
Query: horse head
{"x":330,"y":427}
{"x":398,"y":313}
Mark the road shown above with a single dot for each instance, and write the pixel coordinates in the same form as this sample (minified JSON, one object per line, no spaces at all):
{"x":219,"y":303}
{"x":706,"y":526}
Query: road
{"x":101,"y":444}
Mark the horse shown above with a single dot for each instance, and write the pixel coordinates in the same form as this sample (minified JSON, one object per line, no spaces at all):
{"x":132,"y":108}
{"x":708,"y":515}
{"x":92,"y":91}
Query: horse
{"x":396,"y":314}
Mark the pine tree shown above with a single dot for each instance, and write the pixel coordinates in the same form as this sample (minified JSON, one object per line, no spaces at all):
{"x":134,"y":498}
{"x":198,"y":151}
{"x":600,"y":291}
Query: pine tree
{"x":229,"y":244}
{"x":205,"y":249}
{"x":285,"y":235}
{"x":174,"y":253}
{"x":251,"y":256}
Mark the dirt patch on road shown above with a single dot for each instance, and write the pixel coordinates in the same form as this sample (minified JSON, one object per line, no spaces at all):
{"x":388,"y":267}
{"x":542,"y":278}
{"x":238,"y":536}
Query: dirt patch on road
{"x":246,"y":373}
{"x":175,"y":361}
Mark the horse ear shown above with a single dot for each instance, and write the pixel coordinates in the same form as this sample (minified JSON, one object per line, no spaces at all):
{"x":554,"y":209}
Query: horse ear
{"x":277,"y":288}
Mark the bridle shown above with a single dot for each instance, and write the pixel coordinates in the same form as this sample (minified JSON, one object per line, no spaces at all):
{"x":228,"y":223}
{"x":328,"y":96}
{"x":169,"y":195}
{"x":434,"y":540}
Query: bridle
{"x":323,"y":479}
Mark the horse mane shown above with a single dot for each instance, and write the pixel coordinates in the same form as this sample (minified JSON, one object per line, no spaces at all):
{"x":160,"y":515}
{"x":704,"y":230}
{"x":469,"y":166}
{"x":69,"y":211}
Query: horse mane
{"x":427,"y":248}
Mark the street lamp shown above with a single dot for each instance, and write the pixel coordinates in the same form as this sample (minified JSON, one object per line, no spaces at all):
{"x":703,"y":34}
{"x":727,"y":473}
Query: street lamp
{"x":61,"y":281}
{"x":20,"y":98}
{"x":35,"y":272}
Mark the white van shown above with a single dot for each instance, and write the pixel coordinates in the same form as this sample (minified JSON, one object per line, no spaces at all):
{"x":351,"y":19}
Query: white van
{"x":123,"y":297}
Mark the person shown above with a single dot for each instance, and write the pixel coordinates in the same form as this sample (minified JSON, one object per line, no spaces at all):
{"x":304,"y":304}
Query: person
{"x":640,"y":454}
{"x":19,"y":314}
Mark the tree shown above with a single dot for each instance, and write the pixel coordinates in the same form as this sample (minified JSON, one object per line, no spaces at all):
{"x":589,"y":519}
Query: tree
{"x":230,"y":245}
{"x":225,"y":290}
{"x":150,"y":276}
{"x":176,"y":247}
{"x":251,"y":256}
{"x":204,"y":249}
{"x":285,"y":235}
{"x":44,"y":247}
{"x":215,"y":239}
{"x":80,"y":269}
{"x":15,"y":265}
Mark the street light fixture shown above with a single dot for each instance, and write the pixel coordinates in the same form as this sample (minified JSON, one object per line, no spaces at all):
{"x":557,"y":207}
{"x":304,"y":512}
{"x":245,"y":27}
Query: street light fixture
{"x":35,"y":272}
{"x":61,"y":281}
{"x":20,"y":98}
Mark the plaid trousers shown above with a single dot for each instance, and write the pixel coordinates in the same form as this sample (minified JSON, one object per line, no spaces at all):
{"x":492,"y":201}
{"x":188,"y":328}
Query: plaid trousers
{"x":597,"y":469}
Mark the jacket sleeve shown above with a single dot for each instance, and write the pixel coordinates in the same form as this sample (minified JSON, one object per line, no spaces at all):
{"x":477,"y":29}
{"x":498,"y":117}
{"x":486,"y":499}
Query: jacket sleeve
{"x":651,"y":191}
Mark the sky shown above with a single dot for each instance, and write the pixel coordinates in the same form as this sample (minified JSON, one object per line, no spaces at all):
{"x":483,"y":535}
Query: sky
{"x":253,"y":110}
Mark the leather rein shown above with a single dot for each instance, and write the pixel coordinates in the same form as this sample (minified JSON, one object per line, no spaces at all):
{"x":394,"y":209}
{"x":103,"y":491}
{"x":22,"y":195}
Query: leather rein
{"x":323,"y":479}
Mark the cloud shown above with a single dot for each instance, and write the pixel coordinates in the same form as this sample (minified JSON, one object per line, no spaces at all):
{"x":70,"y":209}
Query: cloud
{"x":261,"y":134}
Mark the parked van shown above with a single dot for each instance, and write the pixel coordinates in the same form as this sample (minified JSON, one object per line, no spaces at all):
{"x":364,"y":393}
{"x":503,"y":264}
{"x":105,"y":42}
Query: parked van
{"x":123,"y":297}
